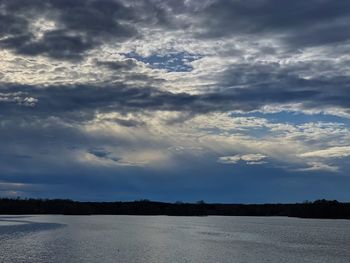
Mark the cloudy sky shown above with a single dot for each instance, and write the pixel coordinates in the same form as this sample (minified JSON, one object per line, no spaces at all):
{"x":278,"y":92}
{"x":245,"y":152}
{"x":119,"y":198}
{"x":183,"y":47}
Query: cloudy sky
{"x":215,"y":100}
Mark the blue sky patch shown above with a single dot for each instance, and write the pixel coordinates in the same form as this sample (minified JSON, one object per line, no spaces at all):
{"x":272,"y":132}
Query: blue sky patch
{"x":171,"y":62}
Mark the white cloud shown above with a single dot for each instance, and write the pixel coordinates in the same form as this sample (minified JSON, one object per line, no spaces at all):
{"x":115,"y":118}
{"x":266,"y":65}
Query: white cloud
{"x":333,"y":152}
{"x":248,"y":158}
{"x":318,"y":166}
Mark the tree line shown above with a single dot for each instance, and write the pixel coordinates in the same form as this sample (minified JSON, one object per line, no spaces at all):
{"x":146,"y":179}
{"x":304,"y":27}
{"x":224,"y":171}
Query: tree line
{"x":317,"y":209}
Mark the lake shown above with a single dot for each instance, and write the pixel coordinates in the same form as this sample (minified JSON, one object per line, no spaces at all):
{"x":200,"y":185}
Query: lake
{"x":58,"y":238}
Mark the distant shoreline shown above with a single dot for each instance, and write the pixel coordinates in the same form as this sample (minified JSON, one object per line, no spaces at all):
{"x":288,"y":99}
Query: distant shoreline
{"x":325,"y":209}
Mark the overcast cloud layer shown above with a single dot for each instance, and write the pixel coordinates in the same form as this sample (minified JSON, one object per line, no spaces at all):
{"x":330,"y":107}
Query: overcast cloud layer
{"x":225,"y":101}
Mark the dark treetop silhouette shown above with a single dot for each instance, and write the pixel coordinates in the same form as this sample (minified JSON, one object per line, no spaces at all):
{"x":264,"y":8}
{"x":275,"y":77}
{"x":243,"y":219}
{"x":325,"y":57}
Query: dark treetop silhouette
{"x":317,"y":209}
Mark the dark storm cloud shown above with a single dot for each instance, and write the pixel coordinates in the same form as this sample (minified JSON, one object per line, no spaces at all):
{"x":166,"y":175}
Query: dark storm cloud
{"x":299,"y":23}
{"x":57,"y":44}
{"x":103,"y":154}
{"x":127,"y":64}
{"x":11,"y":25}
{"x":100,"y":152}
{"x":128,"y":123}
{"x":80,"y":24}
{"x":85,"y":24}
{"x":235,"y":92}
{"x":80,"y":102}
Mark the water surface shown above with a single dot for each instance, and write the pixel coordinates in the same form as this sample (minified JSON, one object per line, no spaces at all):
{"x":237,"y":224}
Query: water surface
{"x":56,"y":238}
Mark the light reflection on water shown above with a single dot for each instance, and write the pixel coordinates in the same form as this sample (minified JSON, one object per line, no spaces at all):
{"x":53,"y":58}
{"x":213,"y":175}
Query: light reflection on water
{"x":55,"y":238}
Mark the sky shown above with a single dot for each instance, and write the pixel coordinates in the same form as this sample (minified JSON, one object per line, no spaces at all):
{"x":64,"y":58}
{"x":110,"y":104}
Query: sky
{"x":229,"y":101}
